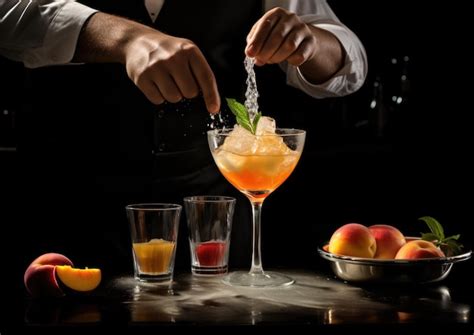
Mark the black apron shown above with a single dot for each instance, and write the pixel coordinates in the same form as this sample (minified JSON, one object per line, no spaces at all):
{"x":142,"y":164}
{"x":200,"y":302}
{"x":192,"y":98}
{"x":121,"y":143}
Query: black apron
{"x":108,"y":146}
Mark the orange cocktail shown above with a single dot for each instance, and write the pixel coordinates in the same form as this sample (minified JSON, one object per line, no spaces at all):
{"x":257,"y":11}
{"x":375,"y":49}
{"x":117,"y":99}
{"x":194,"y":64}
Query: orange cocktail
{"x":256,"y":164}
{"x":256,"y":175}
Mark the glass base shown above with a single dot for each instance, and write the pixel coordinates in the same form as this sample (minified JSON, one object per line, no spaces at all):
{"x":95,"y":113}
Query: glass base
{"x":266,"y":279}
{"x":154,"y":278}
{"x":208,"y":271}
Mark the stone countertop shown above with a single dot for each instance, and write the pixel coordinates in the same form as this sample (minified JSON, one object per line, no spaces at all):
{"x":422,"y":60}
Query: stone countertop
{"x":315,"y":301}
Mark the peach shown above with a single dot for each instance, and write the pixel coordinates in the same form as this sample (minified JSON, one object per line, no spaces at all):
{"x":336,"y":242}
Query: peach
{"x":353,"y":239}
{"x":418,"y":249}
{"x":389,"y":240}
{"x":41,"y":277}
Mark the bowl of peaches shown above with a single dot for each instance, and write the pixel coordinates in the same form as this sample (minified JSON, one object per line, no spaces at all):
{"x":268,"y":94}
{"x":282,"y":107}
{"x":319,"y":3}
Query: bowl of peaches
{"x":382,"y":254}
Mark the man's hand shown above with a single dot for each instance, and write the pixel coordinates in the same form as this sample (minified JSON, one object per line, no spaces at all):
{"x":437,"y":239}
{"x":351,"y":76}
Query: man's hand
{"x":164,"y":67}
{"x":167,"y":68}
{"x":280,"y":35}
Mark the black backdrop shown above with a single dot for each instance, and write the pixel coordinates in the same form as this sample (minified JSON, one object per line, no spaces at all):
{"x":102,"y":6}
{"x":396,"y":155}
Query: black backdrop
{"x":352,"y":170}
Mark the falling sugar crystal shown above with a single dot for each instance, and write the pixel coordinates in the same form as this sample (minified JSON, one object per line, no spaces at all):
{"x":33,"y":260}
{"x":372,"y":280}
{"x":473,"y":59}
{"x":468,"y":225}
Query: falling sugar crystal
{"x":251,"y":95}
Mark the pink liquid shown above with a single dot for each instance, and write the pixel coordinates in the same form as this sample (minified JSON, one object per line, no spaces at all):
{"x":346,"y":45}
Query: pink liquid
{"x":211,"y":253}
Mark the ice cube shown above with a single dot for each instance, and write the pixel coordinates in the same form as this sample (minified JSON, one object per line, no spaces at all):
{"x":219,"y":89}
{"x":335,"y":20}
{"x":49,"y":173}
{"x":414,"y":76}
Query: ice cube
{"x":266,"y":125}
{"x":156,"y":241}
{"x":229,"y":161}
{"x":272,"y":145}
{"x":240,"y":141}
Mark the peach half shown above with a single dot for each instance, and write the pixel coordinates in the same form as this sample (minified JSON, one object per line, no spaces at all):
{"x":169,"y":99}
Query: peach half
{"x":41,"y":276}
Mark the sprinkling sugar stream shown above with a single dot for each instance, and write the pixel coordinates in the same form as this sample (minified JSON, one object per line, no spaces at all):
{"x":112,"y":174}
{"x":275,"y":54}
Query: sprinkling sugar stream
{"x":251,"y":95}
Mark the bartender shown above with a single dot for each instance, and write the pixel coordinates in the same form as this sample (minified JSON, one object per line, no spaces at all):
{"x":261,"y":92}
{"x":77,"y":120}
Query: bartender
{"x":125,"y":121}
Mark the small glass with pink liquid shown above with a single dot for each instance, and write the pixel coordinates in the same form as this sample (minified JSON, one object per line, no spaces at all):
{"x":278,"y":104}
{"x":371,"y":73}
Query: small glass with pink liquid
{"x":209,"y":225}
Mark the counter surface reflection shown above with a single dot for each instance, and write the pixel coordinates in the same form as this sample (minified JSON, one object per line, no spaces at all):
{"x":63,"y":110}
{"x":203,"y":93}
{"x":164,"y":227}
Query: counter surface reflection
{"x":314,"y":301}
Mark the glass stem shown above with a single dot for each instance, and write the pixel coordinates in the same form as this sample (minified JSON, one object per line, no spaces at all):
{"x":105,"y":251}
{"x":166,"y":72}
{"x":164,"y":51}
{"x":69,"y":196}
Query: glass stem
{"x":256,"y":251}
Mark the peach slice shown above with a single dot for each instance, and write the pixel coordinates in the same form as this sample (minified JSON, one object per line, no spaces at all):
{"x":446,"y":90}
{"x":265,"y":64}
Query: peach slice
{"x":82,"y":280}
{"x":41,"y":276}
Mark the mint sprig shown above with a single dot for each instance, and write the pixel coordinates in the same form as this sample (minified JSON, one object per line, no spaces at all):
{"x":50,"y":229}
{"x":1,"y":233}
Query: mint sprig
{"x":242,"y":115}
{"x":449,"y":245}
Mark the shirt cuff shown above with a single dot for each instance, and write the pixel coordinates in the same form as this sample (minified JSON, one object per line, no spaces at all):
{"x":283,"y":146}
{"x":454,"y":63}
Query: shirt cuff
{"x":348,"y":79}
{"x":61,"y":38}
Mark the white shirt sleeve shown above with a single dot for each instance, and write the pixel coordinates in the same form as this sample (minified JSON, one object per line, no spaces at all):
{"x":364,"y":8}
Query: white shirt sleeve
{"x":41,"y":32}
{"x":352,"y":75}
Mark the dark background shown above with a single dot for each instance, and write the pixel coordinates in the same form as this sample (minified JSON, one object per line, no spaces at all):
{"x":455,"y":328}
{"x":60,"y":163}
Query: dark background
{"x":385,"y":165}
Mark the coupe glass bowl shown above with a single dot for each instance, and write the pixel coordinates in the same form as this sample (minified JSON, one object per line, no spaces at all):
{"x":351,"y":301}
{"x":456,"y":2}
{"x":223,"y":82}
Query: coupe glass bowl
{"x":369,"y":270}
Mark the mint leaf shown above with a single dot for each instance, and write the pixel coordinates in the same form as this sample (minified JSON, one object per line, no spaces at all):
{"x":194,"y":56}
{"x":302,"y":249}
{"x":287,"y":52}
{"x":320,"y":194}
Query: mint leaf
{"x":449,"y":245}
{"x":255,"y":121}
{"x":454,"y":237}
{"x":242,"y":115}
{"x":434,"y":226}
{"x":451,"y":248}
{"x":429,"y":237}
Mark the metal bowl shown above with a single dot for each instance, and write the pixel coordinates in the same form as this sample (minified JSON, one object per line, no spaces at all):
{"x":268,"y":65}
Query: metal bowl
{"x":369,"y":270}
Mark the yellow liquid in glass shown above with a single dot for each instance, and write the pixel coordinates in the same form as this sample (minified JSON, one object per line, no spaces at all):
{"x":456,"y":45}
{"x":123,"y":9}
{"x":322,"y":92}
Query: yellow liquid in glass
{"x":154,"y":257}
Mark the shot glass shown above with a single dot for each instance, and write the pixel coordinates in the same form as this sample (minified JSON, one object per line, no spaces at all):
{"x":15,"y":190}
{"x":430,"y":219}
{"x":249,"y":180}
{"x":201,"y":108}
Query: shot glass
{"x":154,"y":232}
{"x":209,"y":221}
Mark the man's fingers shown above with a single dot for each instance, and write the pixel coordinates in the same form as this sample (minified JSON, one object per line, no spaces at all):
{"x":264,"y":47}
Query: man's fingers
{"x":273,"y":42}
{"x":251,"y":33}
{"x":175,"y":71}
{"x":278,"y":36}
{"x":167,"y":87}
{"x":151,"y":91}
{"x":261,"y":33}
{"x":185,"y":81}
{"x":206,"y":81}
{"x":287,"y":48}
{"x":302,"y":54}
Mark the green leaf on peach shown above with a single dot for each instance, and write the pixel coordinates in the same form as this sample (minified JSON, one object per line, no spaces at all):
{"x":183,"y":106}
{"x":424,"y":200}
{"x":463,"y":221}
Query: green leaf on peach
{"x":434,"y":226}
{"x":429,"y":237}
{"x":449,"y":245}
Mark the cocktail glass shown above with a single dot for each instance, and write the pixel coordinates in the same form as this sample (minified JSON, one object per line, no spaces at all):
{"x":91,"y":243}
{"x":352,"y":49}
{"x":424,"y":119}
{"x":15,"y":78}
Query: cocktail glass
{"x":256,"y":165}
